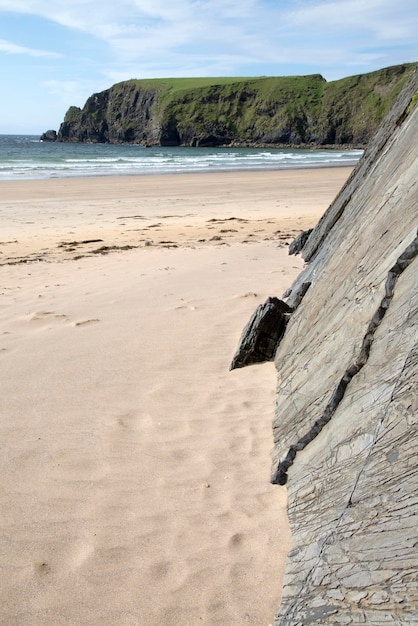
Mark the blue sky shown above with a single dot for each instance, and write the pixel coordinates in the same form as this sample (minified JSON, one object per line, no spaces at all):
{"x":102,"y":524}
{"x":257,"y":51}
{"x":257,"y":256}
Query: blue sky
{"x":56,"y":53}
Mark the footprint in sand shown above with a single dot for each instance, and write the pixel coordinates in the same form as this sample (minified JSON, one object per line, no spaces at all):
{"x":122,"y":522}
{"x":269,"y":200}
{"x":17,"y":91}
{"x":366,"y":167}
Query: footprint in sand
{"x":160,"y":569}
{"x":236,"y":540}
{"x":41,"y":568}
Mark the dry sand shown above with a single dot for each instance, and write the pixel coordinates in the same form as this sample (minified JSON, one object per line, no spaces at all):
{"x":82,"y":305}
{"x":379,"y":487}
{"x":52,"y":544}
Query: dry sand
{"x":134,"y":467}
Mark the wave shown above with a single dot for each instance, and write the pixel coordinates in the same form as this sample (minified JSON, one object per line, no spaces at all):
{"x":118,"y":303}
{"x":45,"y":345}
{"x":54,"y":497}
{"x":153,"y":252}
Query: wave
{"x":26,"y":157}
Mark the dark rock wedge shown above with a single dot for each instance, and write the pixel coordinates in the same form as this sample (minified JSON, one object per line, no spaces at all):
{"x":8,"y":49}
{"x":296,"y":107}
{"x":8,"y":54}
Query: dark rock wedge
{"x":262,"y":334}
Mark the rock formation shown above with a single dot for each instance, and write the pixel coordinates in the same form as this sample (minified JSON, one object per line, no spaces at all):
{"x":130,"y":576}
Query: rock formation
{"x":345,"y":426}
{"x":262,"y":334}
{"x":287,"y":110}
{"x":49,"y":135}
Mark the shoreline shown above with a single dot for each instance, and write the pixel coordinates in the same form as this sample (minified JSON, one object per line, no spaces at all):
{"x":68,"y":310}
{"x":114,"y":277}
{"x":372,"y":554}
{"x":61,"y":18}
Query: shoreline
{"x":26,"y":158}
{"x":212,"y":171}
{"x":221,"y":173}
{"x":41,"y":218}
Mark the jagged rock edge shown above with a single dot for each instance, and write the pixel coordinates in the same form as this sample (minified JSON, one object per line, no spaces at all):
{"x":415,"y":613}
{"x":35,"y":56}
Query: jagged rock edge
{"x":262,"y":334}
{"x":298,"y":243}
{"x":280,"y":477}
{"x":393,"y":119}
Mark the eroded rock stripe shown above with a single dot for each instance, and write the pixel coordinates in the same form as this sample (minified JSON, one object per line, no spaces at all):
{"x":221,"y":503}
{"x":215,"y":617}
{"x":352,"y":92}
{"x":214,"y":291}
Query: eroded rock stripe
{"x":280,"y":477}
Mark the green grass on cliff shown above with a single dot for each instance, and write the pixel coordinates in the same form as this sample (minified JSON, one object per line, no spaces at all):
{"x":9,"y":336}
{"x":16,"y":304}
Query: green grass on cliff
{"x":365,"y":96}
{"x":250,"y":107}
{"x":169,"y":88}
{"x":178,"y":84}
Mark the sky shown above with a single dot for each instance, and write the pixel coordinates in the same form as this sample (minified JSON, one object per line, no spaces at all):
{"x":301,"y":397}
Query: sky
{"x":56,"y":53}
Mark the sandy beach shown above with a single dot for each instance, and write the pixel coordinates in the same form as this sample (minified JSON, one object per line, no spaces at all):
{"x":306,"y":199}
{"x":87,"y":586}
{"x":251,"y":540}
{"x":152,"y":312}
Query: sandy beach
{"x":135,"y":467}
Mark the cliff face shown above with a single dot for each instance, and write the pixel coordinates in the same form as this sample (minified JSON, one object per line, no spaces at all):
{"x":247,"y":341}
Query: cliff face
{"x":298,"y":110}
{"x":345,"y":426}
{"x":118,"y":115}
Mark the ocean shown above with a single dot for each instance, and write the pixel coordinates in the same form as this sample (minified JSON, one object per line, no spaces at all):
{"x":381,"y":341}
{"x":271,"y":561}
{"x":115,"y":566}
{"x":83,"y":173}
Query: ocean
{"x":26,"y":157}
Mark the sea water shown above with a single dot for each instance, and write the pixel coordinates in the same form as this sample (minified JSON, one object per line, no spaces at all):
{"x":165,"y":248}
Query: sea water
{"x":26,"y":157}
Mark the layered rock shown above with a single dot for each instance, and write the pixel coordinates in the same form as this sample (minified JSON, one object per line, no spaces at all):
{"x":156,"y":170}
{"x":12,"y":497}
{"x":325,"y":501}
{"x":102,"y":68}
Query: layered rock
{"x":123,"y":114}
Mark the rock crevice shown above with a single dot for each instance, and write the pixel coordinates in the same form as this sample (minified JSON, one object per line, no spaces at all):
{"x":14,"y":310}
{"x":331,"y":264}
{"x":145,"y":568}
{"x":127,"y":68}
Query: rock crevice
{"x":280,"y":475}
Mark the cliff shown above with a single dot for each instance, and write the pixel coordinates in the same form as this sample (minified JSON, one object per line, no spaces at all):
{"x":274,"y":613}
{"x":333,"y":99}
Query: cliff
{"x":345,"y":426}
{"x":298,"y":110}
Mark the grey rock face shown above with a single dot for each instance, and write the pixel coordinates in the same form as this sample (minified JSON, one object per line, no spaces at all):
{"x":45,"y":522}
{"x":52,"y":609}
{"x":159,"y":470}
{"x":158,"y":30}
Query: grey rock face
{"x":353,"y":486}
{"x":117,"y":115}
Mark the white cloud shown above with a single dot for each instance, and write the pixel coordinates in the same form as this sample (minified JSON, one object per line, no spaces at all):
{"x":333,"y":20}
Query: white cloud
{"x":12,"y":48}
{"x":163,"y":36}
{"x":382,"y":19}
